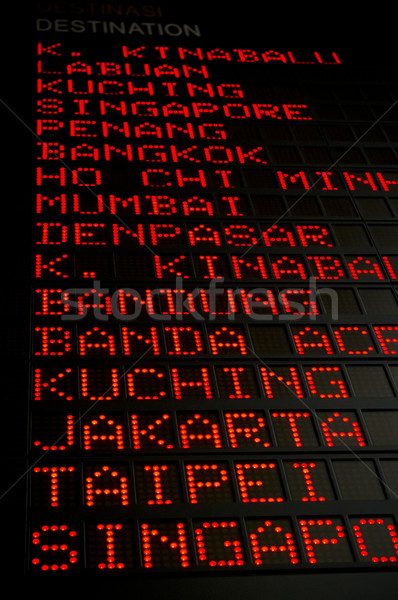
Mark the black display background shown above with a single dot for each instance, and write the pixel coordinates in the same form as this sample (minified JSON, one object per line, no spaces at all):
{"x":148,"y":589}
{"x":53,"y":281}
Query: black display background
{"x":365,"y":39}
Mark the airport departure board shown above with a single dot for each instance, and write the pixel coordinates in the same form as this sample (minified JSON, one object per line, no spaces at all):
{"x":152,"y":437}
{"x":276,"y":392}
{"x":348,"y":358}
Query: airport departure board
{"x":213,"y":309}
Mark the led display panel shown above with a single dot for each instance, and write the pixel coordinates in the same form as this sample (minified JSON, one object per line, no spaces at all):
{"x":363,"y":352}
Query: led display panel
{"x":211,"y":298}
